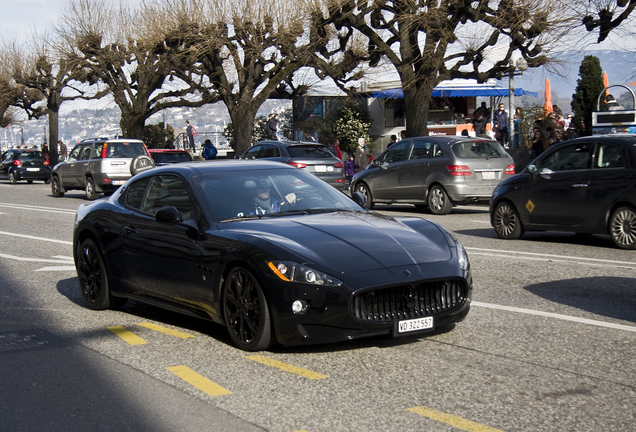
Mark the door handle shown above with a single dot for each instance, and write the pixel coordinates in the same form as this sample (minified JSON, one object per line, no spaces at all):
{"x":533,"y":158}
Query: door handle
{"x":580,"y":185}
{"x":130,"y":230}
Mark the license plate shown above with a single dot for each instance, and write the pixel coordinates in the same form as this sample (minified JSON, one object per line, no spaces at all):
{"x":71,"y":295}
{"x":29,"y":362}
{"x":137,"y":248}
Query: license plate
{"x":488,"y":175}
{"x":415,"y":324}
{"x":119,"y":182}
{"x":33,"y":169}
{"x":320,"y":168}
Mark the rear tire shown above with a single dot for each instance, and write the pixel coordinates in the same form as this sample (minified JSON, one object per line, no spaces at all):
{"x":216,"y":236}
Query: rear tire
{"x":91,"y":193}
{"x":12,"y":178}
{"x":622,"y":228}
{"x":438,"y":201}
{"x":364,"y":190}
{"x":506,"y":221}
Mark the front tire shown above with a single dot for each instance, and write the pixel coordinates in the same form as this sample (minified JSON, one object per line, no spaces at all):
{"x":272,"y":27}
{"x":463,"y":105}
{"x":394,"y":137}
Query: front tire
{"x":245,"y":311}
{"x":56,"y":188}
{"x":91,"y":193}
{"x":364,"y":190}
{"x":438,"y":201}
{"x":93,"y":277}
{"x":622,"y":228}
{"x":506,"y":221}
{"x":12,"y":178}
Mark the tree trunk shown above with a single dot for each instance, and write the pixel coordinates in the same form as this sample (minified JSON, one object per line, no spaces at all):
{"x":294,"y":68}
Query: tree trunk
{"x":417,"y":101}
{"x":132,"y":124}
{"x":243,"y":122}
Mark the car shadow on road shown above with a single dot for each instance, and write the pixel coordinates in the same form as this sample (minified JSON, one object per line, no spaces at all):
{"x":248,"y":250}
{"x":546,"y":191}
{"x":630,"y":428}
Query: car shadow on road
{"x":612,"y":297}
{"x":594,"y":240}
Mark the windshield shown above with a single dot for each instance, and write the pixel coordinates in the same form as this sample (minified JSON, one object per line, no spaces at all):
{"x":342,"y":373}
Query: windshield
{"x":237,"y":195}
{"x":478,"y":149}
{"x":32,"y":156}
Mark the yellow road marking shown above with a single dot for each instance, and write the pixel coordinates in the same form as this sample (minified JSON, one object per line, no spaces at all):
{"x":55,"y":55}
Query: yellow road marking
{"x":166,"y":330}
{"x":287,"y":367}
{"x":127,"y":335}
{"x":458,"y":422}
{"x":199,"y":381}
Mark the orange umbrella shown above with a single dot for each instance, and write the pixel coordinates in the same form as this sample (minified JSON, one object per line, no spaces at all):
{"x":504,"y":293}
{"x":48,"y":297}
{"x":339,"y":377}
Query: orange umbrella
{"x":547,"y":107}
{"x":605,"y":83}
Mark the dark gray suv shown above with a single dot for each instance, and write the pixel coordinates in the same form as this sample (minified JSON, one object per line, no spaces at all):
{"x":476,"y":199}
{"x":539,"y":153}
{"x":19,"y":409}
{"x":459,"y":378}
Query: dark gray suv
{"x":100,"y":165}
{"x":435,"y":172}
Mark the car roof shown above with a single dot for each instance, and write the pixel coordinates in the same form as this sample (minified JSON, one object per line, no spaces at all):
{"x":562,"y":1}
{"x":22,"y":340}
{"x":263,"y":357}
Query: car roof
{"x":110,"y":140}
{"x":167,"y":151}
{"x":291,"y":143}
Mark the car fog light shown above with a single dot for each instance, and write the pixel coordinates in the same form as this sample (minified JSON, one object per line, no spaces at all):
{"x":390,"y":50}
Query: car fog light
{"x":299,"y":306}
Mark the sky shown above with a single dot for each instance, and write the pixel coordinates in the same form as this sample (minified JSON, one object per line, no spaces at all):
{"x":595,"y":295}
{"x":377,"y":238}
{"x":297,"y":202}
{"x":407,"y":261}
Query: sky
{"x":19,"y":18}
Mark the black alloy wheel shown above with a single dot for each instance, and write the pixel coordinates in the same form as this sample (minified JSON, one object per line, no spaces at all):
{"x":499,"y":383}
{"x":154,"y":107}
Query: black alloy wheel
{"x":245,"y":311}
{"x":622,"y":228}
{"x":93,"y":277}
{"x":438,"y":201}
{"x":506,"y":221}
{"x":364,"y":190}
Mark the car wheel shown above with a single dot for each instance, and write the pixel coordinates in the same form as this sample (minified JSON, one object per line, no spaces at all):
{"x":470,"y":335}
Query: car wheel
{"x":506,"y":221}
{"x":12,"y":178}
{"x":93,"y":277}
{"x":245,"y":311}
{"x":364,"y":190}
{"x":56,"y":189}
{"x":622,"y":228}
{"x":91,"y":194}
{"x":438,"y":201}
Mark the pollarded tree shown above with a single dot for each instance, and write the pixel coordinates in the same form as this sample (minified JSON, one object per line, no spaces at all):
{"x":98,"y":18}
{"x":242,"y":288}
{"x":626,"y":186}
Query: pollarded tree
{"x":138,"y":53}
{"x":588,"y":89}
{"x":14,"y":96}
{"x":605,"y":15}
{"x":430,"y":41}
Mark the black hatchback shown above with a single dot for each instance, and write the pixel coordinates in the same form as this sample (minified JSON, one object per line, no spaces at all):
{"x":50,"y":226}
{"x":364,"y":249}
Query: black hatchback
{"x":24,"y":164}
{"x":585,"y":185}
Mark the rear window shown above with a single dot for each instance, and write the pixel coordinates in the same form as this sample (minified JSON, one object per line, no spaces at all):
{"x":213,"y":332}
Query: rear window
{"x":171,"y":157}
{"x":124,"y":149}
{"x":478,"y":149}
{"x":32,"y":156}
{"x":310,"y":152}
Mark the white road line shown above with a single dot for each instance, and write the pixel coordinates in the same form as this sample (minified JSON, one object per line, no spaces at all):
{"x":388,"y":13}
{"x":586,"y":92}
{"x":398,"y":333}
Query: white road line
{"x":38,"y":208}
{"x":39,"y":260}
{"x":36,"y":238}
{"x":548,"y":255}
{"x":59,"y":268}
{"x":557,"y":316}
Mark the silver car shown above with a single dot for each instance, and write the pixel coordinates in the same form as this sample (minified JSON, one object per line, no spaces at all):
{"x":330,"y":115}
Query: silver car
{"x":100,"y":165}
{"x":435,"y":172}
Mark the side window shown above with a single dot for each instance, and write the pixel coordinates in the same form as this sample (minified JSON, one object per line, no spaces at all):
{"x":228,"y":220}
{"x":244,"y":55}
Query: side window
{"x":167,"y":190}
{"x":253,"y":152}
{"x":97,"y":150}
{"x":75,"y":153}
{"x":135,"y":194}
{"x":7,"y":156}
{"x":608,"y":156}
{"x":85,"y":152}
{"x":573,"y":157}
{"x":268,"y":151}
{"x":420,"y":149}
{"x":436,"y":151}
{"x":394,"y":153}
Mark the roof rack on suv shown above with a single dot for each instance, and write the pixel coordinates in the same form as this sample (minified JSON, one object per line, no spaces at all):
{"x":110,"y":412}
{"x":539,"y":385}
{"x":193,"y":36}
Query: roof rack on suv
{"x":95,"y":139}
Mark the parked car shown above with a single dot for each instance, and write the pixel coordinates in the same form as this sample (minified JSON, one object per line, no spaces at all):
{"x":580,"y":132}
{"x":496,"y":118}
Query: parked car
{"x":585,"y":185}
{"x":169,"y":156}
{"x":309,"y":156}
{"x":435,"y":172}
{"x":24,"y":164}
{"x":100,"y":165}
{"x":184,"y":237}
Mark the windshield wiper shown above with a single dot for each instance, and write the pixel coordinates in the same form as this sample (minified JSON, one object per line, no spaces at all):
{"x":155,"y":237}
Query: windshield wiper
{"x":246,"y":217}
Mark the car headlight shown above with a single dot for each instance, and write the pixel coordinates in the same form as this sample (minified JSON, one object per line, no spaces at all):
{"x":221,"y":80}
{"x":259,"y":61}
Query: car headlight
{"x":462,"y":257}
{"x":294,"y":272}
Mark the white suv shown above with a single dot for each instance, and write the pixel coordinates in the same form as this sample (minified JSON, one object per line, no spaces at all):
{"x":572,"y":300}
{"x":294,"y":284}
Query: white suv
{"x":100,"y":165}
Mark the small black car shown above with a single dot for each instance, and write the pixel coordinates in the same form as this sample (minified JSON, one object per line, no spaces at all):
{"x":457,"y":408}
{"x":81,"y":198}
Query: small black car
{"x":585,"y":185}
{"x":24,"y":164}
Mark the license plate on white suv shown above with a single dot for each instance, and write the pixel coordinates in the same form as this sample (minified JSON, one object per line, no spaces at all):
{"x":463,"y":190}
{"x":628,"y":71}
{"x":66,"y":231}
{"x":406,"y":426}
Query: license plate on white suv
{"x":488,"y":175}
{"x":416,"y":324}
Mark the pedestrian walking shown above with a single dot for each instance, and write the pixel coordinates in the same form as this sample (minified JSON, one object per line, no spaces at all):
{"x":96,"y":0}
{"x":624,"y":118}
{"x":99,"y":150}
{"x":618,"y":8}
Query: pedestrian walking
{"x":500,"y":125}
{"x":350,"y":168}
{"x":272,"y":127}
{"x":63,"y":152}
{"x":190,"y":133}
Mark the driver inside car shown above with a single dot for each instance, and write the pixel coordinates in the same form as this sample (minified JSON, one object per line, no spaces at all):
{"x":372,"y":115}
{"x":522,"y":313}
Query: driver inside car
{"x":261,"y":202}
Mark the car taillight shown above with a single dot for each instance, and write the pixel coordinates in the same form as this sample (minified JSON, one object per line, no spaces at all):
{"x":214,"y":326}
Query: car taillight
{"x":17,"y":163}
{"x":298,"y":164}
{"x":459,"y":170}
{"x":338,"y":165}
{"x":105,"y":151}
{"x":46,"y":163}
{"x":510,"y":170}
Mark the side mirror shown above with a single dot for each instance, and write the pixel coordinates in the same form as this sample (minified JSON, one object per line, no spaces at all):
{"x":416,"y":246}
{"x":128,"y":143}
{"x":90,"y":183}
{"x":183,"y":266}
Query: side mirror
{"x":359,"y":199}
{"x":169,"y":215}
{"x":532,"y":169}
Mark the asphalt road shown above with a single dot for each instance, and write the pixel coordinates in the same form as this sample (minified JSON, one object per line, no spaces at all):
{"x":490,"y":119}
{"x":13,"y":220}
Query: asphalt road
{"x":549,"y":345}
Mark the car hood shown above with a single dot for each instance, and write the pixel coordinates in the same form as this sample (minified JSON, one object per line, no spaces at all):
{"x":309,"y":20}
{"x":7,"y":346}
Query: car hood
{"x":348,"y":242}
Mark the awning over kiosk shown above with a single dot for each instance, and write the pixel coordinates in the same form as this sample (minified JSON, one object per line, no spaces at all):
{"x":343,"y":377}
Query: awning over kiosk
{"x":459,"y":88}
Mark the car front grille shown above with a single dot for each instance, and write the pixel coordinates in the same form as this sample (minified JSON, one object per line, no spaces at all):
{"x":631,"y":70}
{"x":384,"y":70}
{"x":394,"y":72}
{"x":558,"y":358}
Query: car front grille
{"x":410,"y":301}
